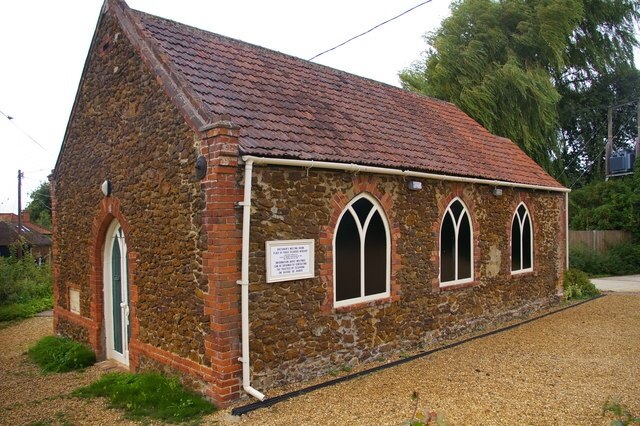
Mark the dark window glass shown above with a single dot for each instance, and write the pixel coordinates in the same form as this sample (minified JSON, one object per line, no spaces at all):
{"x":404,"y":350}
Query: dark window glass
{"x":362,"y":208}
{"x":522,"y":210}
{"x":447,"y":249}
{"x":456,"y":208}
{"x":464,"y":248}
{"x":515,"y":245}
{"x":347,"y":258}
{"x":526,"y":244}
{"x":375,"y":257}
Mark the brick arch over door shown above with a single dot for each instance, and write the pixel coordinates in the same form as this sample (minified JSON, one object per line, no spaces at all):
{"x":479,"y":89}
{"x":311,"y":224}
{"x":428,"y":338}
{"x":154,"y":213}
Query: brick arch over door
{"x":109,"y":211}
{"x":361,"y":184}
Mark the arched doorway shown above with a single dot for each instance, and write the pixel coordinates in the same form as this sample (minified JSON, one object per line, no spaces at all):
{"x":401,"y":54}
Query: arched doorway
{"x":116,"y":295}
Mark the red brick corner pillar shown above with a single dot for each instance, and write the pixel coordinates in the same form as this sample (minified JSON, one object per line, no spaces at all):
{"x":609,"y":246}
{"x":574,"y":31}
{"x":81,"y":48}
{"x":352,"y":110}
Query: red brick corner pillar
{"x":221,"y":262}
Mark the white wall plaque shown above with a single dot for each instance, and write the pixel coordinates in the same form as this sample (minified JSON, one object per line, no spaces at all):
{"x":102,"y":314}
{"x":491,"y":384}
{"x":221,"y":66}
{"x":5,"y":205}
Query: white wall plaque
{"x":74,"y":301}
{"x":290,"y":260}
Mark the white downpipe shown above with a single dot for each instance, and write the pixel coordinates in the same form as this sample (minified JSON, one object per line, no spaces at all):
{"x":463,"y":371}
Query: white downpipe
{"x":244,"y":284}
{"x":387,"y":171}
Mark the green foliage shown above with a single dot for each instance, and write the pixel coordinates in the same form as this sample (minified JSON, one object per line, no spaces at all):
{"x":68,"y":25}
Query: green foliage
{"x":583,"y":123}
{"x":607,"y":205}
{"x":14,"y":311}
{"x":39,"y":207}
{"x":509,"y":65}
{"x":623,"y":259}
{"x":622,"y":415}
{"x":423,"y":417}
{"x":148,"y":395}
{"x":577,"y":285}
{"x":22,"y":280}
{"x":25,"y":287}
{"x":58,"y":355}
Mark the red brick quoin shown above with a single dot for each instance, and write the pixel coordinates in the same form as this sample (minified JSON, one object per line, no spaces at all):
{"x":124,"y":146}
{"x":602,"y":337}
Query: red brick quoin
{"x":221,"y":261}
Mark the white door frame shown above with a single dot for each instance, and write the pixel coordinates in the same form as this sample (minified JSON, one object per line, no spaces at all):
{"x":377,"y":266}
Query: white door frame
{"x":115,"y":235}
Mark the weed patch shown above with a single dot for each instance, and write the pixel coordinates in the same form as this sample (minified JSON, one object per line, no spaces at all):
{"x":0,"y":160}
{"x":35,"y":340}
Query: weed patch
{"x":622,"y":416}
{"x":58,"y":355}
{"x":148,"y":395}
{"x":577,"y":285}
{"x":29,"y":308}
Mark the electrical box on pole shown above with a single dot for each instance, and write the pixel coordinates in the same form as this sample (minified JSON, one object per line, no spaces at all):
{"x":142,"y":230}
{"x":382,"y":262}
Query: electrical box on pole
{"x":621,"y":162}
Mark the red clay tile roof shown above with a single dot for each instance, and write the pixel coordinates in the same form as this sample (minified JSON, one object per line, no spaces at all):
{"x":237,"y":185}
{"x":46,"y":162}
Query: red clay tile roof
{"x":291,"y":108}
{"x":9,"y":235}
{"x":13,"y":218}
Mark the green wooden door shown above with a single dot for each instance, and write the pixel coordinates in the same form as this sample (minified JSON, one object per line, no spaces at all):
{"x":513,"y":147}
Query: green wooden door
{"x":116,"y":295}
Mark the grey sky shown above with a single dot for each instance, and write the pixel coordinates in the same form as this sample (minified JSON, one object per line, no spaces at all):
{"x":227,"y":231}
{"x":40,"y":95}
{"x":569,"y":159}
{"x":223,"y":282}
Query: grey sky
{"x":44,"y":45}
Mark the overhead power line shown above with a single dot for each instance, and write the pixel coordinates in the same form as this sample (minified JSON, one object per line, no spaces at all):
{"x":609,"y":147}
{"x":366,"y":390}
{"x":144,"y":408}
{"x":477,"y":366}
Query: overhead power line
{"x":370,"y":29}
{"x":10,"y":118}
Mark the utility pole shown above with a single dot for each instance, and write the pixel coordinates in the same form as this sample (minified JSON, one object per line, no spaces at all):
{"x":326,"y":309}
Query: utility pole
{"x":609,"y":146}
{"x":20,"y":176}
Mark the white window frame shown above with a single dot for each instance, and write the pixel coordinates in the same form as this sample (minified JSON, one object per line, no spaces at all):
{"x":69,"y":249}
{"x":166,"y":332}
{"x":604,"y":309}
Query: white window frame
{"x":362,"y":232}
{"x":521,"y":222}
{"x":456,"y":228}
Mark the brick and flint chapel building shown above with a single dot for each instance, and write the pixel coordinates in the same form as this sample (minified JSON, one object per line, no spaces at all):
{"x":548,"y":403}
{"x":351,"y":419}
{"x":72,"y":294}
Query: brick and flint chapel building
{"x":246,"y":219}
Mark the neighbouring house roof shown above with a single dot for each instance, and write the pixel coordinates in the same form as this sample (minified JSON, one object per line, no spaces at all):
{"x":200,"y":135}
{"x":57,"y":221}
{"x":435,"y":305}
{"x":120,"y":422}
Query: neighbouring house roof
{"x":9,"y":235}
{"x":288,"y":107}
{"x":26,"y":220}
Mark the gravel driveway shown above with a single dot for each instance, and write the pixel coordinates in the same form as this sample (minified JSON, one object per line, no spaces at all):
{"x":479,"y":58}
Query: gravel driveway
{"x":556,"y":370}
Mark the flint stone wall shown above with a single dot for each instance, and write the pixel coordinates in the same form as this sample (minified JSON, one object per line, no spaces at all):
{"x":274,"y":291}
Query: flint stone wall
{"x":126,"y":130}
{"x":296,"y":333}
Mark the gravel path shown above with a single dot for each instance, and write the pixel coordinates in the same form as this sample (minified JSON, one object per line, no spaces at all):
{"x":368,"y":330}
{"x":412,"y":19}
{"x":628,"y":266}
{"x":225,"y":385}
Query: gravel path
{"x":558,"y":370}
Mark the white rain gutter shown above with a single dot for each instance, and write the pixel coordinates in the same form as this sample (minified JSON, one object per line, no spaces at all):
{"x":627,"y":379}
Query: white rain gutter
{"x":244,"y":283}
{"x":387,"y":171}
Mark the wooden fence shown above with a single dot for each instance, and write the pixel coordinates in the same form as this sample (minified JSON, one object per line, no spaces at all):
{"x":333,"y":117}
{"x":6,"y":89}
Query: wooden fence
{"x":599,"y":241}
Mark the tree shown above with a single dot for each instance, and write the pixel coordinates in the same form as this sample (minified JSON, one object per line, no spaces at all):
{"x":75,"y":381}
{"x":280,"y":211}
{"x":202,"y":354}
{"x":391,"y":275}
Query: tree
{"x":39,"y":207}
{"x":612,"y":204}
{"x":583,"y":123}
{"x":508,"y":64}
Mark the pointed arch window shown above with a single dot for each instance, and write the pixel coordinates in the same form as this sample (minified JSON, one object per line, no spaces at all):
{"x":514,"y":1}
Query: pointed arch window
{"x":362,"y":252}
{"x":521,"y":241}
{"x":456,"y":245}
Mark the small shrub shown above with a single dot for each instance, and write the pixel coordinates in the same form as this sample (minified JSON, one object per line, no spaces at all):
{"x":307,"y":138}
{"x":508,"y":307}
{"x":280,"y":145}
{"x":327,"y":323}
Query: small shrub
{"x":577,"y":285}
{"x":623,"y":259}
{"x":22,"y":280}
{"x":622,"y":415}
{"x":589,"y":261}
{"x":148,"y":395}
{"x":58,"y":355}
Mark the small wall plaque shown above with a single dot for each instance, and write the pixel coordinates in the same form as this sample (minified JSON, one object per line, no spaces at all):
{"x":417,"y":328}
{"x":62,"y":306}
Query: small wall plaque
{"x":74,"y":301}
{"x":290,"y":260}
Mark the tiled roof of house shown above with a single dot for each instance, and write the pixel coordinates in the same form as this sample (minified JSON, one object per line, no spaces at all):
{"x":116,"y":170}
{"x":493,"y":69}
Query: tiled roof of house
{"x":26,"y":220}
{"x":9,"y":235}
{"x":291,"y":108}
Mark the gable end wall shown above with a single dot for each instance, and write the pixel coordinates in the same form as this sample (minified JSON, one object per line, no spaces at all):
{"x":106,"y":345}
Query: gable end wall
{"x":126,"y":130}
